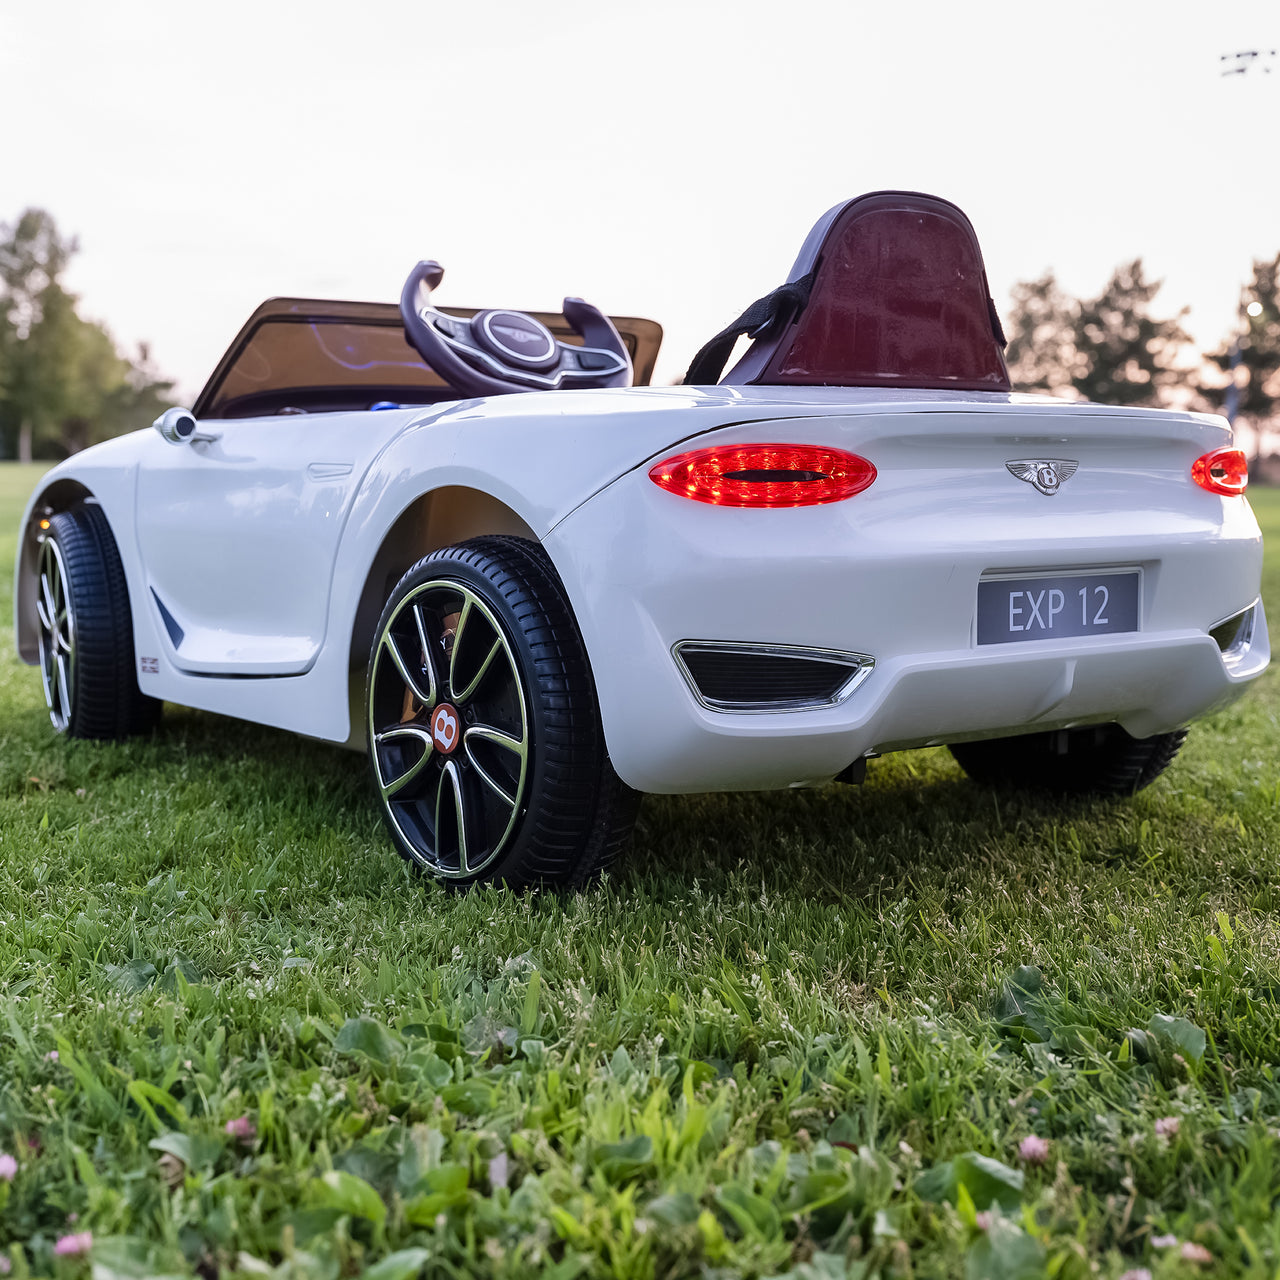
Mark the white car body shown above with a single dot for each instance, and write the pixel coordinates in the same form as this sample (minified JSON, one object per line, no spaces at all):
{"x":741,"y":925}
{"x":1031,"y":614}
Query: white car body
{"x":478,"y":545}
{"x":258,"y":559}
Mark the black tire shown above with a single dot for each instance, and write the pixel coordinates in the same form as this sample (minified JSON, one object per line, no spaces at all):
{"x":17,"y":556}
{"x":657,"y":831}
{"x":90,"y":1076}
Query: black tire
{"x":484,"y":733}
{"x":1099,"y":761}
{"x":87,"y":662}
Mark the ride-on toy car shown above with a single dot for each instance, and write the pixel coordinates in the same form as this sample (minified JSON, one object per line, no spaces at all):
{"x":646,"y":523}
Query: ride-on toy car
{"x":531,"y":586}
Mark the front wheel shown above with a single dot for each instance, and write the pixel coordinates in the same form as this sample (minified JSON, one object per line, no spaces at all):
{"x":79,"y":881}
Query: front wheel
{"x":1101,"y":761}
{"x":86,"y":631}
{"x":483,"y":729}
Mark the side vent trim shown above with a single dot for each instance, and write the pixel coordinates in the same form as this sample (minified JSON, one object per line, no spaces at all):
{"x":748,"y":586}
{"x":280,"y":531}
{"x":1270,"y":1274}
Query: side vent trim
{"x":740,"y":677}
{"x":176,"y":633}
{"x":1235,"y":634}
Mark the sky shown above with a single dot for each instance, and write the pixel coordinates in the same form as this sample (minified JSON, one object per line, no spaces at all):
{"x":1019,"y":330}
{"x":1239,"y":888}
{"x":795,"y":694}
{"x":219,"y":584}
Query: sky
{"x":660,"y":158}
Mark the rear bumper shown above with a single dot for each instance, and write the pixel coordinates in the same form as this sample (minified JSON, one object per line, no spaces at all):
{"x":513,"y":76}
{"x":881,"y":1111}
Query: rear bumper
{"x":646,"y":570}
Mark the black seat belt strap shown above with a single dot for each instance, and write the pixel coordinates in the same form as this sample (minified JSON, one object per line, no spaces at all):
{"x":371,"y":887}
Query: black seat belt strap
{"x":764,"y":316}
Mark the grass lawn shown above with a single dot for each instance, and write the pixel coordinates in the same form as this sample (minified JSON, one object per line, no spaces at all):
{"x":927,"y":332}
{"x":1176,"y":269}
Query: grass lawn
{"x":803,"y":1032}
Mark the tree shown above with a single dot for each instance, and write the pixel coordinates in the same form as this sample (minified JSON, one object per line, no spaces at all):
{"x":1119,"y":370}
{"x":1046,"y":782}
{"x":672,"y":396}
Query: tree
{"x":1124,"y":355}
{"x":1110,"y":349}
{"x":1042,"y":342}
{"x":1255,"y":349}
{"x":63,"y":384}
{"x":32,"y":256}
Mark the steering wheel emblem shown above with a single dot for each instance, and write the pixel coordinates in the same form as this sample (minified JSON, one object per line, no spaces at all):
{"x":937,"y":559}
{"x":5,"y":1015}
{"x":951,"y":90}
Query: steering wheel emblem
{"x":509,"y":335}
{"x":515,"y":335}
{"x":1047,"y":475}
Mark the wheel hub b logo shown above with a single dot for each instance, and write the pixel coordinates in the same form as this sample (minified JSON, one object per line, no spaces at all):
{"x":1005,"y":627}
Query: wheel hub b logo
{"x":446,"y":728}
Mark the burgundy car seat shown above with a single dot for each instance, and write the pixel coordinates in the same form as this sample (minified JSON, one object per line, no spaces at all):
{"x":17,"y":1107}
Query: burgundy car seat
{"x":889,"y":290}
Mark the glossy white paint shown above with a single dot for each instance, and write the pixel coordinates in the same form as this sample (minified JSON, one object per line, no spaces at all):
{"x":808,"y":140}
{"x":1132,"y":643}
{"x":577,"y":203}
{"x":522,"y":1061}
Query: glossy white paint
{"x":239,"y":535}
{"x":260,"y":545}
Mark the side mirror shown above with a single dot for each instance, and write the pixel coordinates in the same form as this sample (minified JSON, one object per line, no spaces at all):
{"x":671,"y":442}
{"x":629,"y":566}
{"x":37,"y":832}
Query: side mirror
{"x":178,"y":426}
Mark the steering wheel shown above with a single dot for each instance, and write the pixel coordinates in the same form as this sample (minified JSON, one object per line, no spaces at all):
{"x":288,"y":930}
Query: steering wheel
{"x":496,"y":352}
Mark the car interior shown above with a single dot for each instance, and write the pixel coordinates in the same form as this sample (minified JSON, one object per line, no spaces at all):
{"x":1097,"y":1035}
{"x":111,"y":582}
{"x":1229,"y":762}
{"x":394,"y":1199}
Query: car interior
{"x":309,"y":355}
{"x":889,"y":290}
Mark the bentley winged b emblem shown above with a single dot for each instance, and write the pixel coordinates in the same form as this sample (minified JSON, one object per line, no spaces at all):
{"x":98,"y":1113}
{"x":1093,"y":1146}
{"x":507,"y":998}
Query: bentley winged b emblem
{"x":1047,"y":474}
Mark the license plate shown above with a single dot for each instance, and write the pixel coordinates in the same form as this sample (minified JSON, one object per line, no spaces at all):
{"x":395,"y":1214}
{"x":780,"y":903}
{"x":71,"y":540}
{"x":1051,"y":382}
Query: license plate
{"x":1056,"y":608}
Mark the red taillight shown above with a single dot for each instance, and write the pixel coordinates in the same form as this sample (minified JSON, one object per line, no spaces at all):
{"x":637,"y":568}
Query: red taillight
{"x":1224,"y":471}
{"x":764,"y":475}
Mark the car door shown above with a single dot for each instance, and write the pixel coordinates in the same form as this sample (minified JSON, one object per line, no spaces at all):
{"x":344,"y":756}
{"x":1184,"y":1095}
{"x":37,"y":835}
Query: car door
{"x":238,"y":532}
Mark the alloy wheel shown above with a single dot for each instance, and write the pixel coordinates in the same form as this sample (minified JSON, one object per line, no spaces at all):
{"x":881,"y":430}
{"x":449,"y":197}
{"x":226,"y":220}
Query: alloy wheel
{"x":449,"y":728}
{"x":57,"y":635}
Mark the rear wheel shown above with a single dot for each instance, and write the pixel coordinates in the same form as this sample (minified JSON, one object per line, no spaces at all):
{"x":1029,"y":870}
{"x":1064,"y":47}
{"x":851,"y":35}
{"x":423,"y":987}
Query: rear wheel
{"x":1102,"y":760}
{"x":484,"y":733}
{"x":87,"y":662}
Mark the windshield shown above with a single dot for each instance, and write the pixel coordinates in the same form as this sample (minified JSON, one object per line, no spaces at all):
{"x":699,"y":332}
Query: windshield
{"x":304,"y":355}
